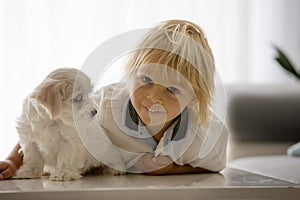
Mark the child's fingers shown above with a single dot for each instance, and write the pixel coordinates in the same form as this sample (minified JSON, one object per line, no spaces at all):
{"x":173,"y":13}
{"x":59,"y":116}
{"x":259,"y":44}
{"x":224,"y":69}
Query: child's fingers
{"x":147,"y":161}
{"x":162,"y":160}
{"x":6,"y":170}
{"x":6,"y":174}
{"x":3,"y":166}
{"x":146,"y":164}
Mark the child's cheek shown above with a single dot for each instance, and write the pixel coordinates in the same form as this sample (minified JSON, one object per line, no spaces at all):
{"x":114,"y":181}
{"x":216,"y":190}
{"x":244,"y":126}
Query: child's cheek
{"x":132,"y":86}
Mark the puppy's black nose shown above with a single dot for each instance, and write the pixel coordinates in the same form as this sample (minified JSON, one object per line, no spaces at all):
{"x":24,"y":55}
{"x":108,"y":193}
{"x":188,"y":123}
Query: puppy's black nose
{"x":93,"y":112}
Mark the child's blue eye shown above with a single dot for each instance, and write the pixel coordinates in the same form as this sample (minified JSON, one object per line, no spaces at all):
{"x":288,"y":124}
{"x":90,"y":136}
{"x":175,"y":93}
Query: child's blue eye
{"x":173,"y":90}
{"x":147,"y":80}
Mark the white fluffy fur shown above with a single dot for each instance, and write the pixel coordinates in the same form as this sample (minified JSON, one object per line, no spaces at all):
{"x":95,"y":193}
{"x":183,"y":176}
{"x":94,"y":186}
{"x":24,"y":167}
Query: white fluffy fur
{"x":47,"y":130}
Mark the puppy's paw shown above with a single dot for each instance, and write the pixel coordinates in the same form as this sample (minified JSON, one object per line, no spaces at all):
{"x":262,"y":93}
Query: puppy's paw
{"x":64,"y":175}
{"x":27,"y":172}
{"x":112,"y":171}
{"x":116,"y":172}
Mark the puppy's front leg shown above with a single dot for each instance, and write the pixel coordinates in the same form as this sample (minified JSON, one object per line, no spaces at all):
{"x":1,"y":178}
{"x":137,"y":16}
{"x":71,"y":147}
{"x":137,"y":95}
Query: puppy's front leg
{"x":67,"y":165}
{"x":33,"y":163}
{"x":64,"y":175}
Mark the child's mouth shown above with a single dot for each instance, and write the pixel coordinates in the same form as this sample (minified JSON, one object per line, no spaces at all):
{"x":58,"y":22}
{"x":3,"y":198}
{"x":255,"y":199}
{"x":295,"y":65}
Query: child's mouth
{"x":152,"y":108}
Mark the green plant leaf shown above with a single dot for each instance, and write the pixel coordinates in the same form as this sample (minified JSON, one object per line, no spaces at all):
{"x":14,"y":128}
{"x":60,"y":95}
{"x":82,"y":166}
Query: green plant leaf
{"x":284,"y":61}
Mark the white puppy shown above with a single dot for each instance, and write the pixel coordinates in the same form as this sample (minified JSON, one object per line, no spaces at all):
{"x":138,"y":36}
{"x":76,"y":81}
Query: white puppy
{"x":47,"y":130}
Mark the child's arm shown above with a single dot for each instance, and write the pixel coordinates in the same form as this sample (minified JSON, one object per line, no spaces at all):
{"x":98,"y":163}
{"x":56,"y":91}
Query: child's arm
{"x":177,"y":169}
{"x":13,"y":162}
{"x":163,"y":165}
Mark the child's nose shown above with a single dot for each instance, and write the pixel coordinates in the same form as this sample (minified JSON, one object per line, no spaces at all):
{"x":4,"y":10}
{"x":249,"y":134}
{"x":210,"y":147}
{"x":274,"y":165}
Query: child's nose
{"x":155,"y":93}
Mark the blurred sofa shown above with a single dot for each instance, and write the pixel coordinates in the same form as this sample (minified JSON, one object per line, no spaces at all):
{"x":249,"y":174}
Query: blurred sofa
{"x":264,"y":121}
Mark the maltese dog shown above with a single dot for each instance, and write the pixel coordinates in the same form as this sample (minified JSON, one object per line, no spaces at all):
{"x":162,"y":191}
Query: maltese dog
{"x":47,"y":130}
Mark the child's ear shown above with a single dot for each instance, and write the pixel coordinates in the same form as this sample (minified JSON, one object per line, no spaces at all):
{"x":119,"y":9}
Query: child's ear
{"x":49,"y":96}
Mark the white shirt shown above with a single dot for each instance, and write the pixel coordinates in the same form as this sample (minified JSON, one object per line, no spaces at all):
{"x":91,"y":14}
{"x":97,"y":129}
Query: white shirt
{"x":184,"y":142}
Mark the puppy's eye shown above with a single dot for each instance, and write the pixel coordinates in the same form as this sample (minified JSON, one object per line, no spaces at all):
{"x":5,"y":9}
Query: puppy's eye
{"x":78,"y":98}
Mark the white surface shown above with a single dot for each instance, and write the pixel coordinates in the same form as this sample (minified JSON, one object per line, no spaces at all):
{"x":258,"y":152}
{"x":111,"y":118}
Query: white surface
{"x":281,"y":167}
{"x":229,"y":184}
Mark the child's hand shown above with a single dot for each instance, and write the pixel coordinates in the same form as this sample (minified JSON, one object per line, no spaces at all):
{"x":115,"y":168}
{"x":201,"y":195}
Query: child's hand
{"x":149,"y":163}
{"x":7,"y":169}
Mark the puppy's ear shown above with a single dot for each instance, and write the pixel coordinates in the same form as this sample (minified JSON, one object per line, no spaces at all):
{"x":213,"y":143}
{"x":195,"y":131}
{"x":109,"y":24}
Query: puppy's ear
{"x":49,"y":95}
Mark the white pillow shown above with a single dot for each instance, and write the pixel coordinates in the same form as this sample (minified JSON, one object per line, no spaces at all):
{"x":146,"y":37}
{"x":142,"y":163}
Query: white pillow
{"x":294,"y":150}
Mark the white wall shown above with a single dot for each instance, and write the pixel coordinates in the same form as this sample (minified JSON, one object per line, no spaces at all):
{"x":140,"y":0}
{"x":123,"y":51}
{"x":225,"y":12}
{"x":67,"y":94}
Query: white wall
{"x":37,"y":36}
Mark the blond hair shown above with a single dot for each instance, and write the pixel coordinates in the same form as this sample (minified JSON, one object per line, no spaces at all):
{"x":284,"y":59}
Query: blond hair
{"x":182,"y":46}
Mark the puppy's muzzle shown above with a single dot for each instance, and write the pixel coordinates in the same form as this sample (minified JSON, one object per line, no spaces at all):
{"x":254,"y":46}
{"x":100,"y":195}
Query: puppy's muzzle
{"x":93,"y":112}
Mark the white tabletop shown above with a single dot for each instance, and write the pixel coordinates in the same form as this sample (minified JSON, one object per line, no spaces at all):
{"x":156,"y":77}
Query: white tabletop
{"x":230,"y":184}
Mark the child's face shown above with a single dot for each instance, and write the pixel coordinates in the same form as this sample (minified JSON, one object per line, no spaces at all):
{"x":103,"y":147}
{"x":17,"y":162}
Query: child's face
{"x":159,"y":94}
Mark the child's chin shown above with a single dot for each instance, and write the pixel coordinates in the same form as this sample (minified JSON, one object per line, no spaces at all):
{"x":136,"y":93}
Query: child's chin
{"x":156,"y":123}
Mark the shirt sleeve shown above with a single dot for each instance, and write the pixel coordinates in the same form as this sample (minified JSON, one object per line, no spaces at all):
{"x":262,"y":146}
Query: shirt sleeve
{"x":207,"y":152}
{"x":215,"y":160}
